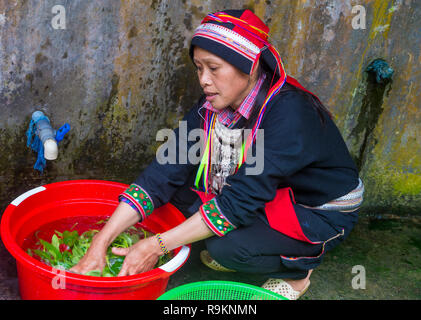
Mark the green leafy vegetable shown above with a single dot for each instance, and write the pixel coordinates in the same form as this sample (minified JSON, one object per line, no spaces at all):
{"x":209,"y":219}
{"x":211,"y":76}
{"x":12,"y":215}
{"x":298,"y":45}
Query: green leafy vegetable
{"x":67,"y":248}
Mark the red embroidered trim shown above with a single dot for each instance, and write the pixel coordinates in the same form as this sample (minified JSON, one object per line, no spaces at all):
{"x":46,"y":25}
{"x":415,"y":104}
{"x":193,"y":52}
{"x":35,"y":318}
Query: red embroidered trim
{"x":214,"y":218}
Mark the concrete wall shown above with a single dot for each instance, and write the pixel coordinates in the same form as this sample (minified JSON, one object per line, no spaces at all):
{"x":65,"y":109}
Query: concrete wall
{"x":120,"y":71}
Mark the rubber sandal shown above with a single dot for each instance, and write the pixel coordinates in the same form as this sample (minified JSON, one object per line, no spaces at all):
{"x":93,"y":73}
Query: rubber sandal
{"x":281,"y":287}
{"x":208,"y":261}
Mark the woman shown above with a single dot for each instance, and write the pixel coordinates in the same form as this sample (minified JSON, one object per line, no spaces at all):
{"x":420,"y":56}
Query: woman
{"x":279,"y":221}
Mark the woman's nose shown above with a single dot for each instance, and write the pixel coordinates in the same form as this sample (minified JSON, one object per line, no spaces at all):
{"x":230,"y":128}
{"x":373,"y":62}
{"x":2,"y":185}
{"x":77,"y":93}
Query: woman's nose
{"x":204,"y":79}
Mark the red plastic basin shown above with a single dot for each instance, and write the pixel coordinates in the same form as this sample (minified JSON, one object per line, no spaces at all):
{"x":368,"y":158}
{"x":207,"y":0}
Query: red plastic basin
{"x":51,"y":202}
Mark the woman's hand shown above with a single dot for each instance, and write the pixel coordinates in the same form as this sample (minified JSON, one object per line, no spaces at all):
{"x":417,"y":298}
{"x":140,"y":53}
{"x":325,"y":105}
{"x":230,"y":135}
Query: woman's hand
{"x":143,"y":255}
{"x":140,"y":257}
{"x":94,"y":259}
{"x":123,"y":217}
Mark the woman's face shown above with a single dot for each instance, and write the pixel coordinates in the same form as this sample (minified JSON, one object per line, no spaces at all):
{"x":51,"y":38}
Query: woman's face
{"x":223,"y":84}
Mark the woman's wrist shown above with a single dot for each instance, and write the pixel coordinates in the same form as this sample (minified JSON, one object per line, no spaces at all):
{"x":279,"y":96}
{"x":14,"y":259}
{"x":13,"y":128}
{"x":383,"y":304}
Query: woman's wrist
{"x":100,"y":242}
{"x":191,"y":230}
{"x":123,"y":217}
{"x":162,"y":246}
{"x":154,"y":246}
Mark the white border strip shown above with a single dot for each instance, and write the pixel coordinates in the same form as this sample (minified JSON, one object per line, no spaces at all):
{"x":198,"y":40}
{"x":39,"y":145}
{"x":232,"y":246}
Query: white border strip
{"x":27,"y":194}
{"x":229,"y":34}
{"x":177,"y":261}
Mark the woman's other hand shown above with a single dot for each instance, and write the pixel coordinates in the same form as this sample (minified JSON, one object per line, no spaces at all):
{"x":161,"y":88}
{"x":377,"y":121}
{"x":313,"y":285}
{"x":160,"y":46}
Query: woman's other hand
{"x":94,"y":259}
{"x":140,"y":257}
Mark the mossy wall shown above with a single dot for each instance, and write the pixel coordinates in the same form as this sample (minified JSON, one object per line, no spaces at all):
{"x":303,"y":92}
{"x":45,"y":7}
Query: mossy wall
{"x":120,"y":71}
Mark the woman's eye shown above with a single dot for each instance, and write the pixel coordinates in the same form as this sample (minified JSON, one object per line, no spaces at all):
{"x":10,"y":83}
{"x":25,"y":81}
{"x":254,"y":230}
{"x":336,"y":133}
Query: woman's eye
{"x":213,"y":68}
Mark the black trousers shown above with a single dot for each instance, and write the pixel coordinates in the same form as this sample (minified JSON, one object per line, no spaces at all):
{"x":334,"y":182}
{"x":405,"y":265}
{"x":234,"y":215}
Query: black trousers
{"x":257,"y":249}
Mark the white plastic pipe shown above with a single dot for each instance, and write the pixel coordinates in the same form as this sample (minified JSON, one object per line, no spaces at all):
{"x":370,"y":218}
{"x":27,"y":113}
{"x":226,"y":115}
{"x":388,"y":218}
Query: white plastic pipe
{"x":50,"y":149}
{"x":47,"y":136}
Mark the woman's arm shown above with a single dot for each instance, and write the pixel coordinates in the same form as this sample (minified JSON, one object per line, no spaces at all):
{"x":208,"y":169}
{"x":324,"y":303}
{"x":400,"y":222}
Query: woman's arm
{"x":191,"y":230}
{"x":123,"y":217}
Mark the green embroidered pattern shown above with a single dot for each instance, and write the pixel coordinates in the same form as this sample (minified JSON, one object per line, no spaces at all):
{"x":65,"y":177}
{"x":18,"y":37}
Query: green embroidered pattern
{"x":140,"y":199}
{"x":214,"y":218}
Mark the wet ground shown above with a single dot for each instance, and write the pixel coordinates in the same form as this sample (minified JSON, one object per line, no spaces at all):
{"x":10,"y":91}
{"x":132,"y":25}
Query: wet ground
{"x":388,"y":251}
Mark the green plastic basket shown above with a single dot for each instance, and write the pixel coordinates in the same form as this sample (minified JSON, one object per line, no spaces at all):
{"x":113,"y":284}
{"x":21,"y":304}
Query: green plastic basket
{"x":219,"y":290}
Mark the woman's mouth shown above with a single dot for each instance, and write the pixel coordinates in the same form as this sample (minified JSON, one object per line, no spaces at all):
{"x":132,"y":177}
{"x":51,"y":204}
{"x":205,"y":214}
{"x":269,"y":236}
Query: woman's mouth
{"x":210,"y":96}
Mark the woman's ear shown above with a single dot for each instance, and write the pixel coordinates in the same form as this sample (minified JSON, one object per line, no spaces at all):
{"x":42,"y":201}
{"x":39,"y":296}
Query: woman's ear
{"x":254,"y":75}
